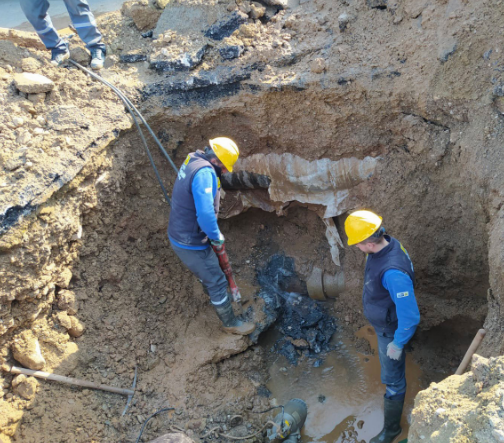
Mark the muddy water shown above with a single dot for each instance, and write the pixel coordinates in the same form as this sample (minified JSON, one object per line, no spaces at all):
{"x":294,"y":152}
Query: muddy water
{"x":344,"y":395}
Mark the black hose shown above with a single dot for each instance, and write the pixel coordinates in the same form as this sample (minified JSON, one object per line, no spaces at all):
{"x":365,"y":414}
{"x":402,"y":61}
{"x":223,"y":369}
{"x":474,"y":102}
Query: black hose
{"x":130,"y":107}
{"x":147,"y":421}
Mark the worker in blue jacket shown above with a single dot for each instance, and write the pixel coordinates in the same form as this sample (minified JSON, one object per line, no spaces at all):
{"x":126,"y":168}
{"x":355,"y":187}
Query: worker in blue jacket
{"x":390,"y":306}
{"x":193,"y":227}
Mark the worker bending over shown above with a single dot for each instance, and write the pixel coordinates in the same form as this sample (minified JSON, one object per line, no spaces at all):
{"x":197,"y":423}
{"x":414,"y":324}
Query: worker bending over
{"x":82,"y":19}
{"x":389,"y":305}
{"x":193,"y":224}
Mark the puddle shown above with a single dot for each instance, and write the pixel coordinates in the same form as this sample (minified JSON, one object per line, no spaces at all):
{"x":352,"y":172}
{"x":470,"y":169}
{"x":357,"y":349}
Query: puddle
{"x":344,"y":395}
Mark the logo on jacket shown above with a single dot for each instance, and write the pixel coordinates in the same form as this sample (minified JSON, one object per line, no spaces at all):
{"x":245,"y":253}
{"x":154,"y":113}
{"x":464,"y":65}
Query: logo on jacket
{"x":402,"y":294}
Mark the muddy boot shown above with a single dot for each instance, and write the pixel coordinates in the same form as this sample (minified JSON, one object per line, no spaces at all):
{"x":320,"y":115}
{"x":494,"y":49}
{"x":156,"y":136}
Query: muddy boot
{"x":391,"y":428}
{"x":230,"y":323}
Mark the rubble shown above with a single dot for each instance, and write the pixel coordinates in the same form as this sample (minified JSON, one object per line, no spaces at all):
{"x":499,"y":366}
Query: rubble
{"x":462,"y":408}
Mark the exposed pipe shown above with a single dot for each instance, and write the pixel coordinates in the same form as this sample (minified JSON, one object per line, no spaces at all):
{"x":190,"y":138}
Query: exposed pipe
{"x":480,"y":335}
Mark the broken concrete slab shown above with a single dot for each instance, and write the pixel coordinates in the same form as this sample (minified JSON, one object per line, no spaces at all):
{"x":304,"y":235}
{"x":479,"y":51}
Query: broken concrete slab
{"x":188,"y":19}
{"x":33,"y":83}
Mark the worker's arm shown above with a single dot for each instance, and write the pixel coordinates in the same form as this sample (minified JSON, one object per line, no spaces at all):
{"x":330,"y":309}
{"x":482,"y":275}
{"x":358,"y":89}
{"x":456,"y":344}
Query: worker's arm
{"x":204,"y":187}
{"x":400,"y":287}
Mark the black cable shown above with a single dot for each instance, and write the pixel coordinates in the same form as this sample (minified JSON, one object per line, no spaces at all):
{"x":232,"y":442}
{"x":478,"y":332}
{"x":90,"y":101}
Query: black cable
{"x":147,"y":421}
{"x":129,"y":106}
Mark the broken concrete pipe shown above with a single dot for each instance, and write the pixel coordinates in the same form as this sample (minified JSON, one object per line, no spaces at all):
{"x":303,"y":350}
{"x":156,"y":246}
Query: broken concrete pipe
{"x":322,"y":285}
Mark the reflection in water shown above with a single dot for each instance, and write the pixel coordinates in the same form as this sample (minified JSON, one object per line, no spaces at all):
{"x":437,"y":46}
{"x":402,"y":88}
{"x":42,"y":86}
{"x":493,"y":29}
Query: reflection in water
{"x":344,"y":395}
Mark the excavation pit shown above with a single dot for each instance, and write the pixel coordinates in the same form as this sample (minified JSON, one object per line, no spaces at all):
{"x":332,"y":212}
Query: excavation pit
{"x":142,"y":308}
{"x":87,"y":267}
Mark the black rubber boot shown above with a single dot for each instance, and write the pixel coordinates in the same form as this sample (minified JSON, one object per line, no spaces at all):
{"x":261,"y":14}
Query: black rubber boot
{"x":230,"y":323}
{"x":392,"y":422}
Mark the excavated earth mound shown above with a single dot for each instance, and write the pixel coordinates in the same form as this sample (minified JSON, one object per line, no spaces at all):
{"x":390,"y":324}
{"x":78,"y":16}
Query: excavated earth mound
{"x":392,"y":106}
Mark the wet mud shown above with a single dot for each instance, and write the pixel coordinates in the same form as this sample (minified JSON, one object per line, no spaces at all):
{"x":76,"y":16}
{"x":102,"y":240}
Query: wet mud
{"x":344,"y":395}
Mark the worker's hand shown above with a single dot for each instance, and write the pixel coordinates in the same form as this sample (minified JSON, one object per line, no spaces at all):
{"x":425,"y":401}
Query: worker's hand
{"x":393,"y":351}
{"x":218,"y":242}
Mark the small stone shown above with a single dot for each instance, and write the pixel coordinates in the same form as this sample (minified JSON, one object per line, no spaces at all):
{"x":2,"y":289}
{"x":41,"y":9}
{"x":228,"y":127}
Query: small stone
{"x":80,"y":55}
{"x":343,"y":21}
{"x":14,"y":163}
{"x":26,"y":350}
{"x":77,"y":328}
{"x":17,"y":121}
{"x":28,"y":165}
{"x":440,"y":411}
{"x":360,"y":424}
{"x":257,"y":10}
{"x":24,"y":138}
{"x":32,"y":83}
{"x":68,"y":302}
{"x":318,"y":65}
{"x":63,"y":279}
{"x":63,"y":319}
{"x":41,"y":120}
{"x":38,"y":131}
{"x":25,"y":387}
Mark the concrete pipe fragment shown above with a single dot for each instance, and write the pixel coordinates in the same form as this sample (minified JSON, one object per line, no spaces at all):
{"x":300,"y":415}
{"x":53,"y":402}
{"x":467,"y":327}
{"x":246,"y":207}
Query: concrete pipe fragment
{"x":322,"y":286}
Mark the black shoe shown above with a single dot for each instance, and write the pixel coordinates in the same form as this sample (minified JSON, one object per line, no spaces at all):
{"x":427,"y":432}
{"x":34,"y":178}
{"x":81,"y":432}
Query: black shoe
{"x":230,"y":323}
{"x":392,"y":422}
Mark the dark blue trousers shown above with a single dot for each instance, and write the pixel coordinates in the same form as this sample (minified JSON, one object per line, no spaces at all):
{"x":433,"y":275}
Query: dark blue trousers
{"x":204,"y":264}
{"x":393,"y":372}
{"x":80,"y":14}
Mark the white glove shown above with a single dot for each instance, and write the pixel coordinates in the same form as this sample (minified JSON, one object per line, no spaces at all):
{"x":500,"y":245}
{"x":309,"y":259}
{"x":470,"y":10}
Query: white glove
{"x":393,"y":351}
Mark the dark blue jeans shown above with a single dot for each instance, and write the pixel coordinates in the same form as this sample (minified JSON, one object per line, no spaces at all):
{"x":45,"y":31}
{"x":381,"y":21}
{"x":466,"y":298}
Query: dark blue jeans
{"x":80,"y":14}
{"x":393,"y":372}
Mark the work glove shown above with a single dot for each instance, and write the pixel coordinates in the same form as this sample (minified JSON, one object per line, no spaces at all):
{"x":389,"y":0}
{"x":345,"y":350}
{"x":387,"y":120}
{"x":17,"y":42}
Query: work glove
{"x":393,"y":351}
{"x":218,"y":242}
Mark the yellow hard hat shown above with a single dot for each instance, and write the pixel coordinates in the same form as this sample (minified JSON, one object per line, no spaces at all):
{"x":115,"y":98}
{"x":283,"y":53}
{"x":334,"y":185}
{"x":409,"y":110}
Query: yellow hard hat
{"x":360,"y":225}
{"x":226,"y":151}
